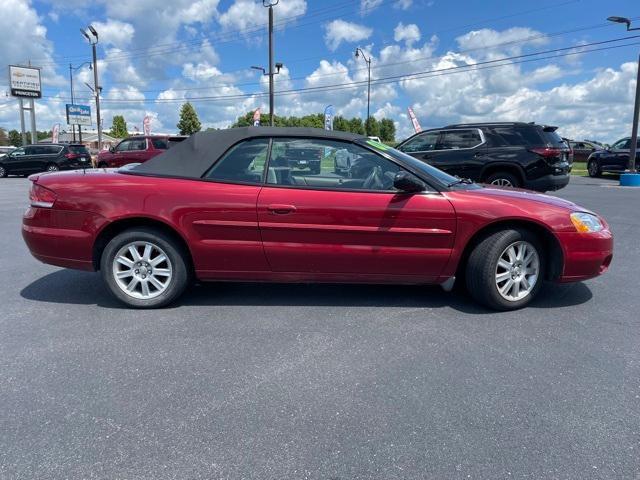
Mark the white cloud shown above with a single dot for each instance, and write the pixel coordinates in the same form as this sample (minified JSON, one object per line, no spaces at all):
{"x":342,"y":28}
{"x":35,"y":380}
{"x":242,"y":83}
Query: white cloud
{"x":408,"y":33}
{"x":339,"y":31}
{"x":403,"y":4}
{"x":245,"y":14}
{"x":115,"y":33}
{"x":511,"y":40}
{"x":367,"y":6}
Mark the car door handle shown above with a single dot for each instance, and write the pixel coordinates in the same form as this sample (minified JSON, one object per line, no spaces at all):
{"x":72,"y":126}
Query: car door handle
{"x":280,"y":209}
{"x":479,"y":155}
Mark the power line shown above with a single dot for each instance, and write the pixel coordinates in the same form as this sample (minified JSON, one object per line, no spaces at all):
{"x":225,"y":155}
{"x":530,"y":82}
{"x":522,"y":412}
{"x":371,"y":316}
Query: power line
{"x":506,"y":61}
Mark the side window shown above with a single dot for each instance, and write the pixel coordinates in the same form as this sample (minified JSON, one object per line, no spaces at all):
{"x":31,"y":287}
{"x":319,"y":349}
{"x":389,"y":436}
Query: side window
{"x":51,"y":150}
{"x":622,"y":144}
{"x":138,"y":144}
{"x":330,"y":164}
{"x":18,"y":152}
{"x":421,"y":143}
{"x":160,"y":143}
{"x":123,"y":146}
{"x":244,"y":163}
{"x":457,"y":139}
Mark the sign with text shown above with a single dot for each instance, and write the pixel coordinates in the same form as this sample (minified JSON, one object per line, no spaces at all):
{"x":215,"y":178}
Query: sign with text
{"x":25,"y":82}
{"x":78,"y":114}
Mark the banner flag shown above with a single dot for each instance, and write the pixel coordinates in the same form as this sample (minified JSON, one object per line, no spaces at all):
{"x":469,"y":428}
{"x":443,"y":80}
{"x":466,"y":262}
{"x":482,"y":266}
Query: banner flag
{"x":414,"y":121}
{"x":146,"y":124}
{"x":256,"y":117}
{"x":328,"y":117}
{"x":55,"y":133}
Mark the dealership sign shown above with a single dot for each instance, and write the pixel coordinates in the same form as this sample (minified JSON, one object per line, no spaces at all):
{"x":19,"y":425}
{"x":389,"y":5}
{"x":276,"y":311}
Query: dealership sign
{"x":25,"y":82}
{"x":78,"y":114}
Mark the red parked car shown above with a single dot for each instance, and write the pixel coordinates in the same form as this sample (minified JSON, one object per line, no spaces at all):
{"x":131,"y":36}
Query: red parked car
{"x":228,"y":206}
{"x":137,"y":149}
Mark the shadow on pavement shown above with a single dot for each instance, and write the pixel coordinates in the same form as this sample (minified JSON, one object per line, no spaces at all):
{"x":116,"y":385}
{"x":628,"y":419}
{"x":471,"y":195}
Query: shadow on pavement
{"x":82,"y":288}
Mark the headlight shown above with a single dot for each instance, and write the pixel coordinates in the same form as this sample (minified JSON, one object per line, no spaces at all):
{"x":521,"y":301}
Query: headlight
{"x":586,"y":222}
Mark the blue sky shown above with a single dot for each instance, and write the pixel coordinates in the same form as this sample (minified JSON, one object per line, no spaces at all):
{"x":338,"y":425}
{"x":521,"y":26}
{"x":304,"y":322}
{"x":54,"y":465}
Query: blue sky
{"x":154,"y":55}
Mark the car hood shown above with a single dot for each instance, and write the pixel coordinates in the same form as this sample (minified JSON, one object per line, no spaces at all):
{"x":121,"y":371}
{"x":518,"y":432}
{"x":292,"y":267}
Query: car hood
{"x":517,"y":194}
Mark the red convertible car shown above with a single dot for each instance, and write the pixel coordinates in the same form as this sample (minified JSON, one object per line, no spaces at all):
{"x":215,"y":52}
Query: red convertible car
{"x":228,"y":206}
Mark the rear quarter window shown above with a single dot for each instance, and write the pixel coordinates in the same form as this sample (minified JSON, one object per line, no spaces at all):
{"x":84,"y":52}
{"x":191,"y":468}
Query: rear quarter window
{"x":78,"y":149}
{"x":160,"y":143}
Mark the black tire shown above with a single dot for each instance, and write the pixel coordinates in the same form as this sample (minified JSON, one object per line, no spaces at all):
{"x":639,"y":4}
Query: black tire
{"x":172,"y":249}
{"x":52,"y":167}
{"x":593,"y":168}
{"x":3,"y":172}
{"x":103,"y":165}
{"x":315,"y":168}
{"x":504,"y":179}
{"x":481,"y":269}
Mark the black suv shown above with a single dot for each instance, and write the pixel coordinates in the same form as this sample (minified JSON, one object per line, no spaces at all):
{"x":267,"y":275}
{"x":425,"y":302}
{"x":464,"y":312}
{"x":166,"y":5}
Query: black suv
{"x":614,"y":159}
{"x":511,"y":154}
{"x":46,"y":157}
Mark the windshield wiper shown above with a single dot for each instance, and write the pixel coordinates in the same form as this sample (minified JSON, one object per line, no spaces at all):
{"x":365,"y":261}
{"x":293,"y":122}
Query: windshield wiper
{"x":466,"y":181}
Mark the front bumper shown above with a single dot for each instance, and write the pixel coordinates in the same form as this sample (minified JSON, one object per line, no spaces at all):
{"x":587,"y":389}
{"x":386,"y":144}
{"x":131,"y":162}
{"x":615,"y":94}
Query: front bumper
{"x":586,"y":255}
{"x":548,"y":182}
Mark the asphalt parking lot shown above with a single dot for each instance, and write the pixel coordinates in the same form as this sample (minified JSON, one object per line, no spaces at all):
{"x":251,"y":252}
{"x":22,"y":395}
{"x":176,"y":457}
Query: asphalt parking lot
{"x":323,"y":382}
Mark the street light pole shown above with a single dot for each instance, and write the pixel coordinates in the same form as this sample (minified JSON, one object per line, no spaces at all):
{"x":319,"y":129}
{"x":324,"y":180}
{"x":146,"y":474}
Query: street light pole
{"x":636,"y":111}
{"x":358,"y":53}
{"x":94,"y":41}
{"x":270,"y":4}
{"x":71,"y":70}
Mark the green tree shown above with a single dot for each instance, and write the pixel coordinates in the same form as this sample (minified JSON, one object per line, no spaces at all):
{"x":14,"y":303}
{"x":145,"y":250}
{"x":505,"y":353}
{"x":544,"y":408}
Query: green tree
{"x":4,"y":138}
{"x":189,"y":122}
{"x":341,"y":124}
{"x":119,"y":127}
{"x":356,"y":126}
{"x":387,"y":130}
{"x":15,"y":138}
{"x":371,"y":127}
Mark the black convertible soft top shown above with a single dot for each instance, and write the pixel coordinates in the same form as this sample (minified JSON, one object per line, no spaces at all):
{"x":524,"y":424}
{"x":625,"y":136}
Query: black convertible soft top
{"x":195,"y":155}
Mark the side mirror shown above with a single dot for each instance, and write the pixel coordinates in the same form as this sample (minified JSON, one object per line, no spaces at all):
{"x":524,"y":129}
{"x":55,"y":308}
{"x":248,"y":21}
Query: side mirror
{"x":406,"y":182}
{"x":112,"y":149}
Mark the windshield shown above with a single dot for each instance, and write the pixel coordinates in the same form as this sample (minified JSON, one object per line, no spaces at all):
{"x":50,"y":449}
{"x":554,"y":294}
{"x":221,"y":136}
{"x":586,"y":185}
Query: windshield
{"x":441,"y":177}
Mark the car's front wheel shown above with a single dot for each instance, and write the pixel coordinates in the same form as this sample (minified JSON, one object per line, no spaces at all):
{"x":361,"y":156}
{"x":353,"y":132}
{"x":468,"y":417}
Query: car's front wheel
{"x":593,"y":168}
{"x":506,"y":269}
{"x":144,"y":268}
{"x":52,"y":167}
{"x":3,"y":172}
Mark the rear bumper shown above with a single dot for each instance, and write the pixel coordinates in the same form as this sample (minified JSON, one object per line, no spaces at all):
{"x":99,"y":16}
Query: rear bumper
{"x":587,"y":255}
{"x":61,"y":237}
{"x":548,"y":182}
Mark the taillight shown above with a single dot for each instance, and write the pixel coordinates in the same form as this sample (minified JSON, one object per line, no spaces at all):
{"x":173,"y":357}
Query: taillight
{"x":70,"y":155}
{"x":547,"y":152}
{"x":41,"y":197}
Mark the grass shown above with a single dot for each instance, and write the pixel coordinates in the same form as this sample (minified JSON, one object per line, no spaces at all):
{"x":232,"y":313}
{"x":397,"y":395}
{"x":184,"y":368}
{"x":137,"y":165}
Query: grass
{"x":580,"y":169}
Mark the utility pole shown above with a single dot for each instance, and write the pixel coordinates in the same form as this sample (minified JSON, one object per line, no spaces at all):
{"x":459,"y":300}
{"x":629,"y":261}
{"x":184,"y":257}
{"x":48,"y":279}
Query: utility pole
{"x":73,"y":127}
{"x":94,"y":41}
{"x":270,"y":4}
{"x":631,"y":178}
{"x":358,"y":53}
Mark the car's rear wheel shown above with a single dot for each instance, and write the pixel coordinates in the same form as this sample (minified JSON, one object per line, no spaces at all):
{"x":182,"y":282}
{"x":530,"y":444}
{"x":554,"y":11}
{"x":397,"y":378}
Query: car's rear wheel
{"x":506,"y":269}
{"x":593,"y":168}
{"x":103,"y":165}
{"x":144,"y":268}
{"x":503,"y":179}
{"x":3,"y":172}
{"x":315,"y":168}
{"x":52,"y":167}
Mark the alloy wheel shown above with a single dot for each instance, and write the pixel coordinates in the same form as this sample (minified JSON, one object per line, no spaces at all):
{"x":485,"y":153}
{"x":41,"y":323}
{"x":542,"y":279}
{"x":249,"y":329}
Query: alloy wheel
{"x":517,"y":271}
{"x":502,"y":182}
{"x":52,"y":168}
{"x":142,"y":270}
{"x":3,"y":172}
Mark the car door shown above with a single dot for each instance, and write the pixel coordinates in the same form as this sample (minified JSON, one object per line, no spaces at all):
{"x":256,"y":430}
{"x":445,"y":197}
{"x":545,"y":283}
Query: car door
{"x":618,"y":158}
{"x":137,"y":151}
{"x":352,"y":225}
{"x":460,"y":152}
{"x":421,"y":146}
{"x":119,"y":154}
{"x":33,"y":160}
{"x":16,"y":161}
{"x":220,"y":216}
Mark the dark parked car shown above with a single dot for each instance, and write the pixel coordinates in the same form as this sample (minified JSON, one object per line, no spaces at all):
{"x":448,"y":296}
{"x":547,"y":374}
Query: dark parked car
{"x":137,"y":149}
{"x":582,"y":149}
{"x":612,"y":160}
{"x":49,"y":157}
{"x":510,"y":154}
